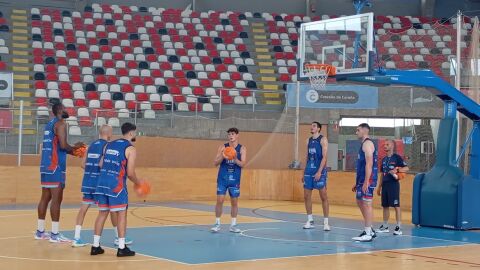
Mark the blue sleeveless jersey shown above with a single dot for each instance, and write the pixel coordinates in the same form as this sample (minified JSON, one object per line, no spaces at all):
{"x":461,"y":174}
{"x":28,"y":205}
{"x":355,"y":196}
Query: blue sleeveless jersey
{"x":361,"y":163}
{"x":314,"y":155}
{"x":229,"y":170}
{"x":54,"y":159}
{"x":92,"y":170}
{"x":113,"y":174}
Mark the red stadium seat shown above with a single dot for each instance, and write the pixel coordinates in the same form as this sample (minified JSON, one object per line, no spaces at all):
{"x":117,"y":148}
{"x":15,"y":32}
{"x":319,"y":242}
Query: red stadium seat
{"x":127,"y":88}
{"x":91,"y":95}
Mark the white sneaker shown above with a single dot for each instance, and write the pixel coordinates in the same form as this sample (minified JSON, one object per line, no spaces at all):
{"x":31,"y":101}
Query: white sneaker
{"x":215,"y":228}
{"x":78,"y":243}
{"x":397,"y":231}
{"x":58,"y":238}
{"x":363,"y":237}
{"x":234,"y":229}
{"x":309,"y":225}
{"x":383,"y":229}
{"x":128,"y":241}
{"x":326,"y":227}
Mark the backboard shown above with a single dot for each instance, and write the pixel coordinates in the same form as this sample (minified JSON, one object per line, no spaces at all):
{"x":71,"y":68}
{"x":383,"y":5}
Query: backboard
{"x":345,"y":42}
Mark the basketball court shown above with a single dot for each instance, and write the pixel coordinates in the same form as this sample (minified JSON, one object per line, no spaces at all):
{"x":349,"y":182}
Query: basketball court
{"x":177,"y":235}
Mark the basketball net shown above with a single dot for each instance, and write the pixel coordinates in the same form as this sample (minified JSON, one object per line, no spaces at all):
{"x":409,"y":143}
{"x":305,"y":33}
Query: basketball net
{"x":318,"y":74}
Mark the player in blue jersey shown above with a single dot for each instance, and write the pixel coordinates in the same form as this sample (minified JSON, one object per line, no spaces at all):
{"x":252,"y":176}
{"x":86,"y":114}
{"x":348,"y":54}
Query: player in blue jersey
{"x":91,"y":168}
{"x":389,"y":186}
{"x":366,"y":181}
{"x":229,"y":174}
{"x":118,"y":163}
{"x":315,"y":175}
{"x":52,"y":173}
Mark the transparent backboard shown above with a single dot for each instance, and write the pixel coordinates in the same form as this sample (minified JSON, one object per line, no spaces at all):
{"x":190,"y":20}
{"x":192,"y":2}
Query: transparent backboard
{"x":334,"y":42}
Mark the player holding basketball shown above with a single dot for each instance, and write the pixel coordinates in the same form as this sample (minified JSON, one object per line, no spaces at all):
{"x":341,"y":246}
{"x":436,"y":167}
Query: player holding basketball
{"x":315,"y":175}
{"x":229,"y":174}
{"x":389,"y":187}
{"x":52,"y":173}
{"x":366,"y":181}
{"x":118,"y":163}
{"x":91,"y":168}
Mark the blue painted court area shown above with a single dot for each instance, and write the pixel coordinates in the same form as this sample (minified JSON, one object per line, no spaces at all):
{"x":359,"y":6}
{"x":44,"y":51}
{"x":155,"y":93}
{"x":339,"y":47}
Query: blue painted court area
{"x":195,"y":244}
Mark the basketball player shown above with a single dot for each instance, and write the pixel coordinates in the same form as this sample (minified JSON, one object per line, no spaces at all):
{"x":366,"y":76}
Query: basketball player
{"x":228,"y":179}
{"x":389,"y":187}
{"x":89,"y":184}
{"x":52,"y":173}
{"x":366,"y":181}
{"x":118,"y":163}
{"x":315,"y":175}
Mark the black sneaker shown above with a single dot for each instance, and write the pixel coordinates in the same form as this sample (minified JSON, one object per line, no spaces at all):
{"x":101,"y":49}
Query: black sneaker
{"x":397,"y":231}
{"x":125,"y":252}
{"x":96,"y":250}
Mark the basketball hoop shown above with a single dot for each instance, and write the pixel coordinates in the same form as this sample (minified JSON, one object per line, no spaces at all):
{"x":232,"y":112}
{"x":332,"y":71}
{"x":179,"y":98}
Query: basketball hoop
{"x":318,"y":74}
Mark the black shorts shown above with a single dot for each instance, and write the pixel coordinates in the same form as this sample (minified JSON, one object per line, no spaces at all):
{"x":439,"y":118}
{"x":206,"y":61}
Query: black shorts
{"x":391,"y":194}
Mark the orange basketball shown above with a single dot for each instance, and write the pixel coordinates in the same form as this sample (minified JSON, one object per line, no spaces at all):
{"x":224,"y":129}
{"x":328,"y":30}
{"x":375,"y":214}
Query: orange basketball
{"x":80,"y":151}
{"x":230,"y":153}
{"x":143,"y":189}
{"x":401,"y":175}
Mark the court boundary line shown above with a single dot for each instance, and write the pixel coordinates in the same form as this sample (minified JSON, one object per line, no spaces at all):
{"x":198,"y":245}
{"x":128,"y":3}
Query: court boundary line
{"x":254,"y":211}
{"x":152,"y":258}
{"x":331,"y":254}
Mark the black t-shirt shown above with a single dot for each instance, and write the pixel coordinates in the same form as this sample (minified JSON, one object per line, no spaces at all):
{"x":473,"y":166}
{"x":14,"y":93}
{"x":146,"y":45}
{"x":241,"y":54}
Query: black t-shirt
{"x":390,"y":163}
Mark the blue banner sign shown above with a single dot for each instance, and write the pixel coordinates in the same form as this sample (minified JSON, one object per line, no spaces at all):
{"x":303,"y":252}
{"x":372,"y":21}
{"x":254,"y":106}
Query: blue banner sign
{"x":334,"y":97}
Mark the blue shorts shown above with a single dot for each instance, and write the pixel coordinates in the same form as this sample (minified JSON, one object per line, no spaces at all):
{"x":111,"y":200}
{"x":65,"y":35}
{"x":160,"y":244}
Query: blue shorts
{"x":233,"y":188}
{"x":365,"y":196}
{"x":112,"y":204}
{"x":310,"y":183}
{"x":89,"y":198}
{"x":52,"y":180}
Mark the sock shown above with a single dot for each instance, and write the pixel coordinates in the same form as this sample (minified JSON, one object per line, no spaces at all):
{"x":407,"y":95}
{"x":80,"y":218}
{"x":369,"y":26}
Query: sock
{"x":399,"y":224}
{"x":121,"y":243}
{"x":234,"y":221}
{"x":96,"y":241}
{"x":41,"y":225}
{"x":55,"y":226}
{"x":310,"y":217}
{"x":116,"y":231}
{"x":217,"y":220}
{"x":368,"y":230}
{"x":325,"y":221}
{"x":78,"y":229}
{"x":385,"y":223}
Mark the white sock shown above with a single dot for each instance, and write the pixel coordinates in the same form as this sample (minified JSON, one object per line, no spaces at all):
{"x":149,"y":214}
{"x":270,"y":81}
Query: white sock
{"x":310,"y":217}
{"x":116,"y":231}
{"x":385,"y":223}
{"x":78,"y":229}
{"x":234,"y":221}
{"x":121,"y":243}
{"x":399,"y":224}
{"x":41,"y":225}
{"x":55,"y":225}
{"x":96,"y":240}
{"x":368,"y":230}
{"x":325,"y":221}
{"x":217,"y":220}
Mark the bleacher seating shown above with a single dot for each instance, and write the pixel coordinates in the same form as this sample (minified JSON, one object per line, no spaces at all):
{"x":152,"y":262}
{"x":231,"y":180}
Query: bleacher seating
{"x":148,"y":60}
{"x":119,"y":57}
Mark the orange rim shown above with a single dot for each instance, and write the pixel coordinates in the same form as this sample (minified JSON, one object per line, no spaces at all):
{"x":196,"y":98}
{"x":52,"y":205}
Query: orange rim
{"x":331,"y":70}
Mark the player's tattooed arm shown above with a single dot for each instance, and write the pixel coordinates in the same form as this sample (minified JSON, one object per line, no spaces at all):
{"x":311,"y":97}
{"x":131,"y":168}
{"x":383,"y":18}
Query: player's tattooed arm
{"x":131,"y":154}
